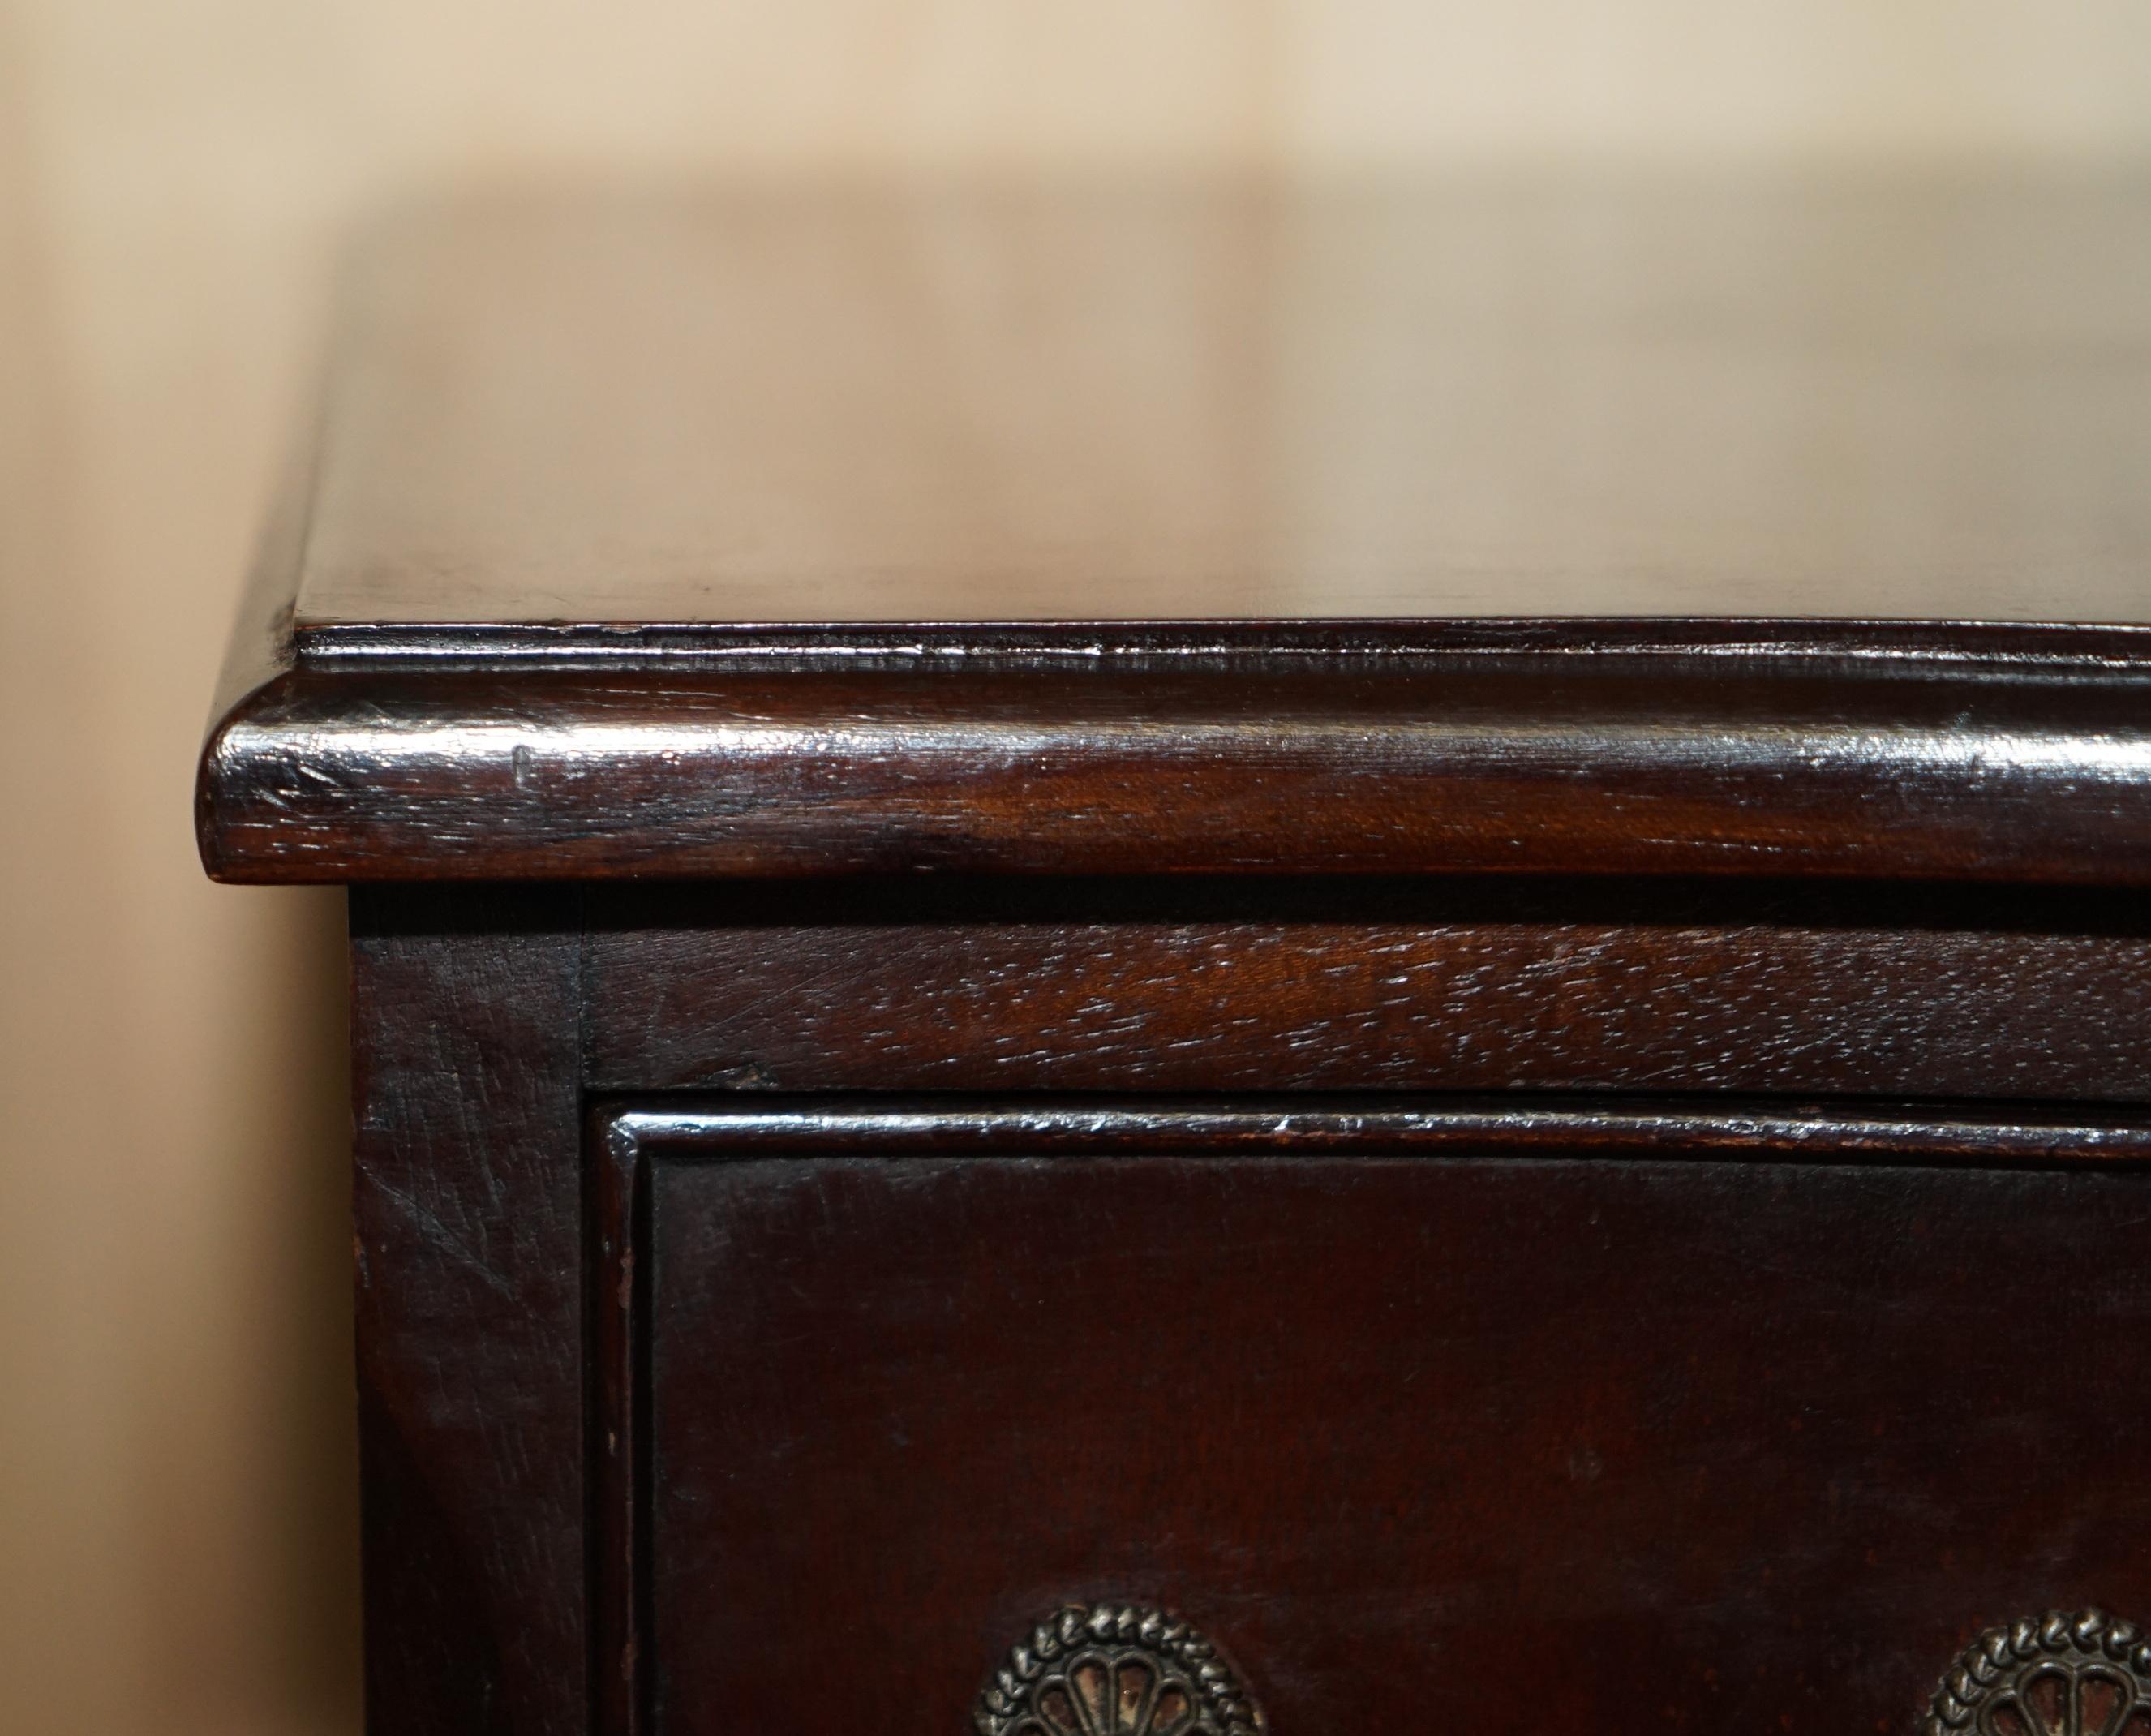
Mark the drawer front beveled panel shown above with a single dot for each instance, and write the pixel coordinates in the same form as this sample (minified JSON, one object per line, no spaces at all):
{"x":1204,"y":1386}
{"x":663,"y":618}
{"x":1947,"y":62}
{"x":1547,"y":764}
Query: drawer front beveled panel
{"x":1485,"y":1419}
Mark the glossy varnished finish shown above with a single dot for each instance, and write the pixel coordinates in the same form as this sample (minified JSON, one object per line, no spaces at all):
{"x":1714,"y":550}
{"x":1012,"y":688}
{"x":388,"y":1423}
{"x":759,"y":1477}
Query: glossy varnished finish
{"x":1630,"y":527}
{"x":1411,"y":918}
{"x":1917,"y":398}
{"x":1740,"y":1439}
{"x":1375,"y":763}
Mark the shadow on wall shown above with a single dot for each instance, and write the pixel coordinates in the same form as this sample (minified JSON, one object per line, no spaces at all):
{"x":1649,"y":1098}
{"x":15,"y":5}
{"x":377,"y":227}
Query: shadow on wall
{"x":177,"y":1506}
{"x":304,"y":1229}
{"x":246,"y":1462}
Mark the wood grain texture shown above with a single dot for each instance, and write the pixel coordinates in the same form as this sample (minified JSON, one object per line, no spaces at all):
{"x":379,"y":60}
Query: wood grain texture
{"x":1625,"y":527}
{"x":468,"y":1247}
{"x":1705,"y":1432}
{"x":1256,"y":986}
{"x":1316,"y":842}
{"x":1565,"y":762}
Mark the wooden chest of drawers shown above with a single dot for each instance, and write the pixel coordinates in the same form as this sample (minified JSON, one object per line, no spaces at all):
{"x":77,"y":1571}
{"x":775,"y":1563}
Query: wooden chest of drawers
{"x":1195,"y":958}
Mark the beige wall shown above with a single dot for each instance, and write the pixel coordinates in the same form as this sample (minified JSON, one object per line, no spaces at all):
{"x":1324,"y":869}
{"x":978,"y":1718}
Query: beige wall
{"x":176,"y":1548}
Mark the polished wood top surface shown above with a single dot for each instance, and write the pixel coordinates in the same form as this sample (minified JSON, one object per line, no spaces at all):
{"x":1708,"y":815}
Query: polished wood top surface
{"x":1917,"y":399}
{"x":1666,"y":528}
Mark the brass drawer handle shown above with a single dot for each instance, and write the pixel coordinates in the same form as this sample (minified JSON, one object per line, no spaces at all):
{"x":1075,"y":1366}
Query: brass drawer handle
{"x":2054,"y":1675}
{"x":1108,"y":1670}
{"x":1115,"y":1670}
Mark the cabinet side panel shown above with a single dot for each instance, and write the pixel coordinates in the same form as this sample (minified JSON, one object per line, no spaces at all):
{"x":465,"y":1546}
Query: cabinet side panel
{"x":467,"y":1202}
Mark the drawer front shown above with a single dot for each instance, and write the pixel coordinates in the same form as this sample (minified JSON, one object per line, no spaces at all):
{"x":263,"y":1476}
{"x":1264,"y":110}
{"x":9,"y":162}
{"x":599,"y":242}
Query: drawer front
{"x":1504,"y":1423}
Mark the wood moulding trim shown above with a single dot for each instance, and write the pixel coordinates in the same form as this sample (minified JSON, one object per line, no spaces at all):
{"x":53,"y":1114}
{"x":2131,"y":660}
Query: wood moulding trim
{"x":1741,"y":748}
{"x":1399,"y":1125}
{"x":650,"y":646}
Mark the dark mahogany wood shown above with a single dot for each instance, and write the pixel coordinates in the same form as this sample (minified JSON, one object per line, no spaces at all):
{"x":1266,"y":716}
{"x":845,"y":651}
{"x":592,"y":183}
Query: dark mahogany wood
{"x":1414,"y":918}
{"x":1564,"y":759}
{"x":1427,"y":985}
{"x":469,"y":1255}
{"x":1427,"y":1437}
{"x":1221,"y":529}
